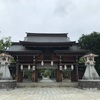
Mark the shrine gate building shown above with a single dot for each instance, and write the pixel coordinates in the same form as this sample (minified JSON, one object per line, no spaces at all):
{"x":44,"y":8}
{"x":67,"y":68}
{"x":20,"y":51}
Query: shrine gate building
{"x":46,"y":51}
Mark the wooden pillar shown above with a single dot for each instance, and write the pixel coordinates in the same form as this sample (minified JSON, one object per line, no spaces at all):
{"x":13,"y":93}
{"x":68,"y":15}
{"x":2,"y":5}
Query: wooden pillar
{"x":77,"y":74}
{"x":20,"y":75}
{"x":17,"y":69}
{"x":35,"y":71}
{"x":58,"y":71}
{"x":59,"y":75}
{"x":17,"y":72}
{"x":74,"y":73}
{"x":35,"y":76}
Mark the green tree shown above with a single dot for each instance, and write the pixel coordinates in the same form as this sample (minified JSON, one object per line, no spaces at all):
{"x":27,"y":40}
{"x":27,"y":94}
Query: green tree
{"x":5,"y":43}
{"x":81,"y":60}
{"x":91,"y":42}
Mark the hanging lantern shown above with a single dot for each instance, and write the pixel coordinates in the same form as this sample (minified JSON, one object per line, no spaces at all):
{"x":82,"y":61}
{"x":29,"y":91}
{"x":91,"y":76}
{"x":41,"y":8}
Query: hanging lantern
{"x":65,"y":67}
{"x":60,"y":67}
{"x":51,"y":63}
{"x":29,"y":67}
{"x":42,"y":63}
{"x":33,"y":68}
{"x":60,"y":58}
{"x":21,"y":67}
{"x":34,"y":58}
{"x":72,"y":67}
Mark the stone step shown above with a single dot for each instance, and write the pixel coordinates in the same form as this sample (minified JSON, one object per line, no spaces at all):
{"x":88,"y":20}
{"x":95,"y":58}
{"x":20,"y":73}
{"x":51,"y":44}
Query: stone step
{"x":45,"y":84}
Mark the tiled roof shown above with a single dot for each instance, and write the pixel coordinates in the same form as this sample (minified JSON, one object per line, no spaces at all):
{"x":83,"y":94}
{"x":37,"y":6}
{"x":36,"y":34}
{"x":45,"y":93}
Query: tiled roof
{"x":74,"y":49}
{"x":46,"y":37}
{"x":17,"y":47}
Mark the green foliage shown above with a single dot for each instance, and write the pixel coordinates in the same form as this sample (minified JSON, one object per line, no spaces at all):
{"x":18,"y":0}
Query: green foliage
{"x":46,"y":73}
{"x":27,"y":75}
{"x":5,"y":43}
{"x":91,"y":42}
{"x":12,"y":60}
{"x":53,"y":73}
{"x":81,"y":60}
{"x":1,"y":44}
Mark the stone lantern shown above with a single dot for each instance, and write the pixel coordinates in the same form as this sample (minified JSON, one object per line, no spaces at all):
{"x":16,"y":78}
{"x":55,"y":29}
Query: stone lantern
{"x":90,"y":72}
{"x":4,"y":63}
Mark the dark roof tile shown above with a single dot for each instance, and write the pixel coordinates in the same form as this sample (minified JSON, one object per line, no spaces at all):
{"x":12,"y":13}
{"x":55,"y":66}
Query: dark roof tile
{"x":46,"y":37}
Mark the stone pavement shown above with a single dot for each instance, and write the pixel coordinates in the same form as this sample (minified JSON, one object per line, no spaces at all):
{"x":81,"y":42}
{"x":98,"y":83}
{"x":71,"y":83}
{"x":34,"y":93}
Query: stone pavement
{"x":46,"y":80}
{"x":46,"y":93}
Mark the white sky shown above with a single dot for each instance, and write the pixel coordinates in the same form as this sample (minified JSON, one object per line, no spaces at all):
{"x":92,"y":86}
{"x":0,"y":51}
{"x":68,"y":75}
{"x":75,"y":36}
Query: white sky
{"x":75,"y":17}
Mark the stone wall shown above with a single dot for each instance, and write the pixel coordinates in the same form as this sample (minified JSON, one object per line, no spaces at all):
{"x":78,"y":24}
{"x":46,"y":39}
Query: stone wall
{"x":89,"y":84}
{"x":7,"y":84}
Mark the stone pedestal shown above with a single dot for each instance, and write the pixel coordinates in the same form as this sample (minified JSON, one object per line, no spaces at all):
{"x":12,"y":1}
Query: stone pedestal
{"x":89,"y":84}
{"x":7,"y":84}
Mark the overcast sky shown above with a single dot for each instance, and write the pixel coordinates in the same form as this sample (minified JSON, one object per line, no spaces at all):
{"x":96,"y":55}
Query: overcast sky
{"x":75,"y":17}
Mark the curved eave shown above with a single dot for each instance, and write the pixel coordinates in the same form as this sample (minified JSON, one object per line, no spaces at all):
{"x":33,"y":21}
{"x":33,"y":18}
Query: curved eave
{"x":47,"y":44}
{"x":79,"y":53}
{"x":15,"y":43}
{"x":24,"y":53}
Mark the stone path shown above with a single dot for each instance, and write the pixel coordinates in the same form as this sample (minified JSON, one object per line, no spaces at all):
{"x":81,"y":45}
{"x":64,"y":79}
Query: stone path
{"x":55,"y":93}
{"x":46,"y":79}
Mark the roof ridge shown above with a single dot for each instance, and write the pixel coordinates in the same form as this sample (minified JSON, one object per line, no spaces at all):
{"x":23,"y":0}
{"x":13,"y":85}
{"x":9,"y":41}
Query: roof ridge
{"x":47,"y":34}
